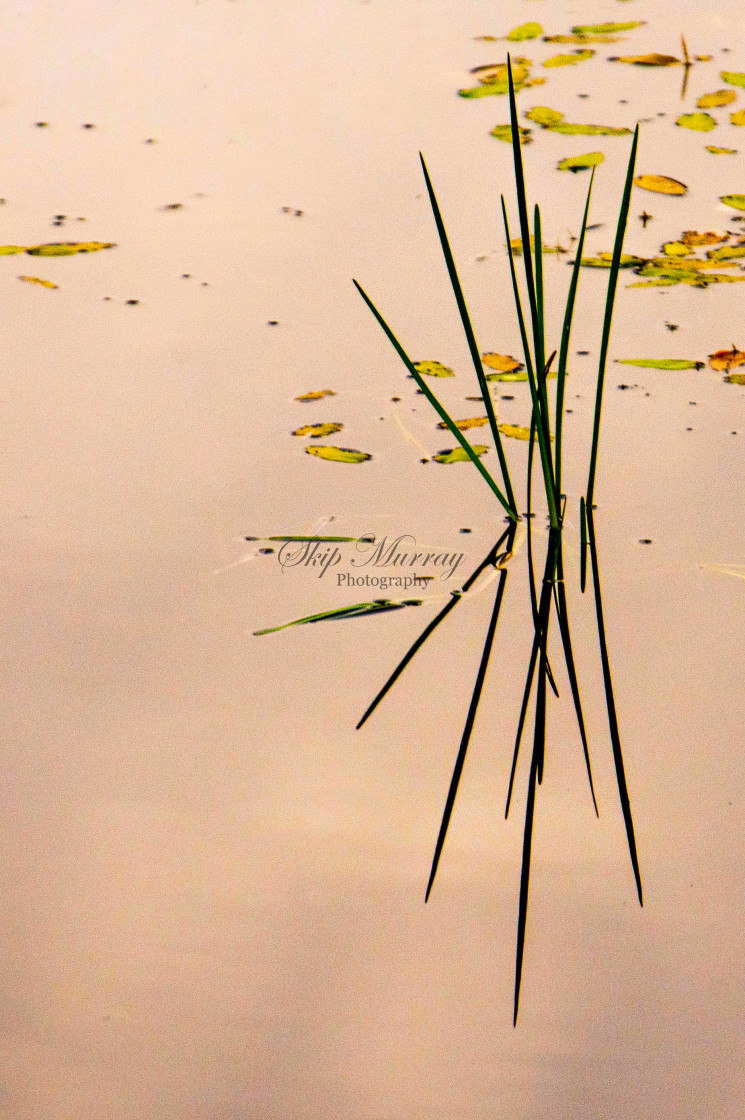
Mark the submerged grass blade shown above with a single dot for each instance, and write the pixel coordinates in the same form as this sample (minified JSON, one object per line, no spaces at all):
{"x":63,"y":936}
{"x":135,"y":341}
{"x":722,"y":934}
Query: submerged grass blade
{"x":470,"y":337}
{"x":608,"y":314}
{"x":512,"y":514}
{"x":465,"y":738}
{"x":490,"y":558}
{"x":357,"y":609}
{"x":611,"y":706}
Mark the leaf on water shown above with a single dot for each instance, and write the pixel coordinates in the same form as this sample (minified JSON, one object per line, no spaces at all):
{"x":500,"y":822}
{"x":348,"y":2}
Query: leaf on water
{"x":581,"y":39}
{"x":38,"y":280}
{"x":693,"y":238}
{"x":568,"y":59}
{"x":736,"y":201}
{"x":605,"y":28}
{"x":676,"y":249}
{"x":499,"y":71}
{"x":338,"y":454}
{"x":603,"y":260}
{"x":503,"y":363}
{"x":491,"y":88}
{"x":660,"y":184}
{"x":317,"y":431}
{"x":735,"y":378}
{"x":566,"y":129}
{"x":699,"y":122}
{"x":727,"y":359}
{"x":687,"y":264}
{"x":459,"y":454}
{"x":433,"y":369}
{"x":738,"y":117}
{"x":504,"y":132}
{"x":721,"y":151}
{"x":525,"y":31}
{"x":727,"y":253}
{"x":660,"y":281}
{"x":316,"y":396}
{"x":464,"y":425}
{"x":11,"y":250}
{"x":68,"y":248}
{"x":647,"y":59}
{"x":581,"y":163}
{"x":542,"y":115}
{"x":661,"y":363}
{"x":517,"y":246}
{"x":714,"y":100}
{"x":514,"y":431}
{"x":732,"y":78}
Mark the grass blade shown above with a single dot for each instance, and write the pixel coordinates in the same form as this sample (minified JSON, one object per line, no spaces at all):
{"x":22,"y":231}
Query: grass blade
{"x":465,"y":738}
{"x":582,"y":544}
{"x":611,"y":706}
{"x":522,"y":914}
{"x":511,"y":512}
{"x":539,"y":342}
{"x":608,"y":314}
{"x":470,"y":337}
{"x":355,"y":611}
{"x":522,"y":208}
{"x":565,"y":338}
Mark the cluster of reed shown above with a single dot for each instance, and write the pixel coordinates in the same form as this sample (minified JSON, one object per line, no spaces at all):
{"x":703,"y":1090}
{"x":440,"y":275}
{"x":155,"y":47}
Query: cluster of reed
{"x":552,"y":596}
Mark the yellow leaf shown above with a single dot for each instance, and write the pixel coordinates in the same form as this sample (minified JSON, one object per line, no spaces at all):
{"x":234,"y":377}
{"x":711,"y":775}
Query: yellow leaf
{"x":38,"y":280}
{"x":316,"y":396}
{"x":11,"y":250}
{"x":433,"y":369}
{"x":714,"y":100}
{"x":726,"y":359}
{"x":68,"y":248}
{"x":691,"y":237}
{"x":661,"y":184}
{"x":317,"y":431}
{"x":514,"y":431}
{"x":738,"y":117}
{"x":721,"y":151}
{"x":648,"y":60}
{"x":676,"y":249}
{"x":505,"y":363}
{"x":459,"y":454}
{"x":464,"y":425}
{"x":338,"y":454}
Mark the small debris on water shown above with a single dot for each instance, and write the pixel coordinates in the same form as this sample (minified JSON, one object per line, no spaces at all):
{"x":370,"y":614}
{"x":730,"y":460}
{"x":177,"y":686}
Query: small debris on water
{"x":88,"y":125}
{"x":583,"y":353}
{"x":272,"y":322}
{"x":465,"y":530}
{"x":42,"y":124}
{"x":671,"y":326}
{"x":265,"y":551}
{"x":133,"y":302}
{"x":645,"y":540}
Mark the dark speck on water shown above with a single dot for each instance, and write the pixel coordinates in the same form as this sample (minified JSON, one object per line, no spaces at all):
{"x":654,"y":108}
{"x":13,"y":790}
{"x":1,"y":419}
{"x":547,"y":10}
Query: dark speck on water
{"x":465,"y":530}
{"x":644,"y":540}
{"x":133,"y":302}
{"x":583,"y":353}
{"x":505,"y":397}
{"x":395,"y":399}
{"x":88,"y":125}
{"x":266,"y":551}
{"x":186,"y":276}
{"x":272,"y":322}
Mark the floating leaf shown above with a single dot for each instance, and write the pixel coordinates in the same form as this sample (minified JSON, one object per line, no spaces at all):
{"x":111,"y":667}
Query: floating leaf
{"x":688,"y":264}
{"x":518,"y":375}
{"x":504,"y":132}
{"x":38,"y":280}
{"x":517,"y":246}
{"x":714,"y":100}
{"x":68,"y":248}
{"x":568,"y":59}
{"x":735,"y":378}
{"x":11,"y":250}
{"x":317,"y":431}
{"x":316,"y":396}
{"x":459,"y":454}
{"x":661,"y":363}
{"x":660,"y":184}
{"x":691,"y":237}
{"x":699,"y":122}
{"x":581,"y":163}
{"x":721,"y":151}
{"x":338,"y":454}
{"x":581,"y":39}
{"x":514,"y":431}
{"x":503,"y":363}
{"x":490,"y":88}
{"x":464,"y":425}
{"x":499,"y":71}
{"x":676,"y":249}
{"x":566,"y":129}
{"x":726,"y":253}
{"x":736,"y":201}
{"x":732,"y":78}
{"x":738,"y":117}
{"x":525,"y":31}
{"x":605,"y":28}
{"x":542,"y":115}
{"x":727,"y":359}
{"x":603,"y":260}
{"x":648,"y":59}
{"x":433,"y":369}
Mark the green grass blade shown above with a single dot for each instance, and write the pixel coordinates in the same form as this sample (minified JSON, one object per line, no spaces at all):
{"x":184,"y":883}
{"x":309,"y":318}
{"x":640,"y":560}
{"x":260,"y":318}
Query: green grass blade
{"x":565,"y":338}
{"x":470,"y":337}
{"x":512,"y":514}
{"x":611,"y":706}
{"x":522,"y":914}
{"x":608,"y":314}
{"x":521,"y":720}
{"x":342,"y":612}
{"x":456,"y":597}
{"x":522,"y":207}
{"x":540,"y":340}
{"x":465,"y":738}
{"x":582,"y":545}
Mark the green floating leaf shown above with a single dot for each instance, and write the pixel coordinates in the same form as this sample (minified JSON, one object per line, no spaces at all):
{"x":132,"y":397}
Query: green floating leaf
{"x":606,"y":28}
{"x":355,"y":611}
{"x":338,"y":454}
{"x":735,"y":378}
{"x":722,"y":151}
{"x":433,"y":369}
{"x":504,"y":132}
{"x":489,"y":89}
{"x":566,"y":129}
{"x":699,"y":122}
{"x":660,"y":184}
{"x":525,"y":31}
{"x":11,"y":250}
{"x":568,"y":59}
{"x":68,"y":248}
{"x":603,"y":260}
{"x":542,"y":115}
{"x":716,"y":99}
{"x":733,"y":78}
{"x":661,"y":363}
{"x":459,"y":454}
{"x":738,"y":117}
{"x":736,"y":201}
{"x":726,"y":253}
{"x":581,"y":163}
{"x":317,"y":431}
